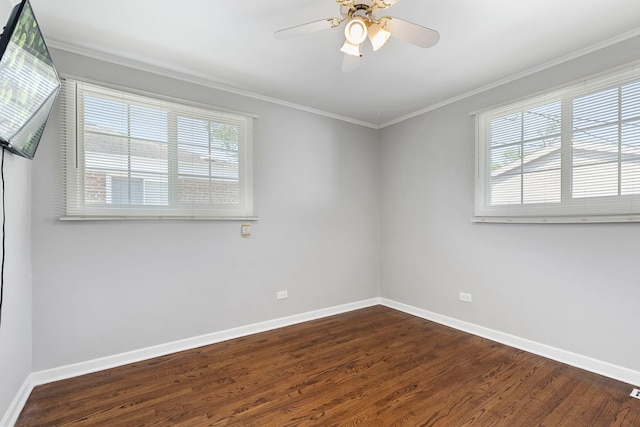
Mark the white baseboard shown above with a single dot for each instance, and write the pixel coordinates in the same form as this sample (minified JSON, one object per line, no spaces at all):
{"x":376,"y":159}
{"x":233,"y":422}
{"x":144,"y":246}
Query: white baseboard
{"x":50,"y":375}
{"x":77,"y":369}
{"x":577,"y":360}
{"x":13,"y":412}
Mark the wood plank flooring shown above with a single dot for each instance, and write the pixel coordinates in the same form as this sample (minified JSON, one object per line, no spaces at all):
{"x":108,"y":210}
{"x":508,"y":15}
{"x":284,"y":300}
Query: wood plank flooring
{"x":370,"y":367}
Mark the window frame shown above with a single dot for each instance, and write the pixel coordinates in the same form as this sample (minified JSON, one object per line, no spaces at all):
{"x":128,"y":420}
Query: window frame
{"x":75,"y":206}
{"x":619,"y":208}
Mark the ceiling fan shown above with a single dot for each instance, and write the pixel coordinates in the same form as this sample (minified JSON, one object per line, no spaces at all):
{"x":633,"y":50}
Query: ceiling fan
{"x":362,"y":17}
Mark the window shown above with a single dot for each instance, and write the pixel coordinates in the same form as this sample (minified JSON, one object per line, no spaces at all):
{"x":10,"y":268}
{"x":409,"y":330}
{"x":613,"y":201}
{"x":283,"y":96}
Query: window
{"x":133,"y":156}
{"x":570,"y":155}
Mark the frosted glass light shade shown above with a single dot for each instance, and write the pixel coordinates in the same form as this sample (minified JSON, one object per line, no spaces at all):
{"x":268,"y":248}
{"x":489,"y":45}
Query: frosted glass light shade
{"x":351,"y":49}
{"x":378,"y":35}
{"x":355,"y":31}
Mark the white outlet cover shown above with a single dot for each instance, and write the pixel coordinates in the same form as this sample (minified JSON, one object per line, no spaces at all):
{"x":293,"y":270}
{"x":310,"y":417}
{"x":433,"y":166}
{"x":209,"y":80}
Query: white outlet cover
{"x":635,"y":393}
{"x":466,"y":297}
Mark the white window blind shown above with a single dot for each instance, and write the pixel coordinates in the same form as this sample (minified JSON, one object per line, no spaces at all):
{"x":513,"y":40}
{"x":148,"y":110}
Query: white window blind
{"x":570,"y":155}
{"x":128,"y":155}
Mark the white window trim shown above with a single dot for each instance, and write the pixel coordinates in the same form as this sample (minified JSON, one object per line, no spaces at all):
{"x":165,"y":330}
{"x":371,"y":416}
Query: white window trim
{"x":583,"y":210}
{"x":74,"y":208}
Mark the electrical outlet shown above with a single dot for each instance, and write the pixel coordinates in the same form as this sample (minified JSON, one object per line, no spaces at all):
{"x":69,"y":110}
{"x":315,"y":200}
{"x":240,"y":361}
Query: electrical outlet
{"x":465,"y":297}
{"x":282,"y":295}
{"x":635,"y":393}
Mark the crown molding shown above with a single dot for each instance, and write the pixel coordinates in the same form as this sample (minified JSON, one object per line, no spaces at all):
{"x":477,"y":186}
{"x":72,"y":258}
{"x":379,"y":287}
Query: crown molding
{"x":558,"y":61}
{"x":200,"y":80}
{"x":228,"y":87}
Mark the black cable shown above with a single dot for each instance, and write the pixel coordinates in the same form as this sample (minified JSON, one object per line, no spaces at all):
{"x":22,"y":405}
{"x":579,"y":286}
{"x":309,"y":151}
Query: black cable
{"x":4,"y":217}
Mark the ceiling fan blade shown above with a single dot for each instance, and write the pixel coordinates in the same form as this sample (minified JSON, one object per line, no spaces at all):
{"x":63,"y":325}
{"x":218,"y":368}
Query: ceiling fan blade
{"x":350,"y":63}
{"x":412,"y":33}
{"x":311,"y":27}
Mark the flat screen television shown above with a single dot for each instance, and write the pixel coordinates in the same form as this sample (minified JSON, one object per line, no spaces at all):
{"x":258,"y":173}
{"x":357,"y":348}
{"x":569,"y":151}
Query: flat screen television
{"x":29,"y":82}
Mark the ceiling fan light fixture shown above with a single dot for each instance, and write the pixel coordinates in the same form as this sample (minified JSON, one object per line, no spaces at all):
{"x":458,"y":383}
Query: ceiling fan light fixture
{"x":361,"y":20}
{"x":378,"y":35}
{"x":351,"y":49}
{"x":355,"y":31}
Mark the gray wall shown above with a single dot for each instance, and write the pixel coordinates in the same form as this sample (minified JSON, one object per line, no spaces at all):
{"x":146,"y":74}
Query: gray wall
{"x":104,"y":288}
{"x":15,"y":331}
{"x":573,"y":287}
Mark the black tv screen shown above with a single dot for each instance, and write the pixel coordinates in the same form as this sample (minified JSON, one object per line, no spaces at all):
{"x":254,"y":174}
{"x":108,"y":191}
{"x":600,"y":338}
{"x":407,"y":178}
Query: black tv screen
{"x":29,"y":82}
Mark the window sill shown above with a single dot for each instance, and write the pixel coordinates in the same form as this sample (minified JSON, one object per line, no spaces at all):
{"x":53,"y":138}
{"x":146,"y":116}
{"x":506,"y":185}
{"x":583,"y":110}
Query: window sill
{"x":600,"y":219}
{"x":155,"y":218}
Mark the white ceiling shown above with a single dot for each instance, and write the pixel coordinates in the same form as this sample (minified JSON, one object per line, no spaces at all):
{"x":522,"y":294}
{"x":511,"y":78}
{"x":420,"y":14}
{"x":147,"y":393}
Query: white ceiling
{"x":231,"y":43}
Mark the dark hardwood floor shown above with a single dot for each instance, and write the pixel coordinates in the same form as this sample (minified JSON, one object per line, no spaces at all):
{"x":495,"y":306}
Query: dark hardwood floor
{"x":370,"y":367}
